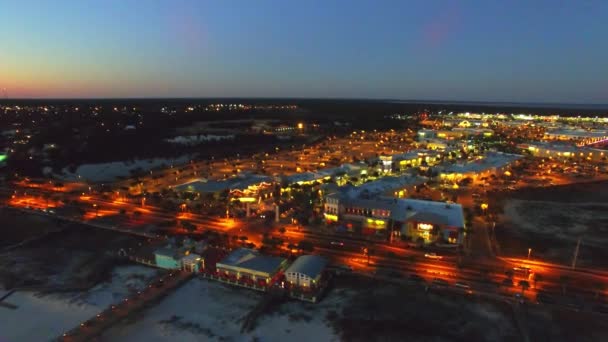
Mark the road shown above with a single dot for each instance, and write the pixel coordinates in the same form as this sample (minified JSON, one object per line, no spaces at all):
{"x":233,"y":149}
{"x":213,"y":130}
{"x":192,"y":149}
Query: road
{"x":481,"y":270}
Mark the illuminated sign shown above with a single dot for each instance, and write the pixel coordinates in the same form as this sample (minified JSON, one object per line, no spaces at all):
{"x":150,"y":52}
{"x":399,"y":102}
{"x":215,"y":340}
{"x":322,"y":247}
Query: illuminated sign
{"x":331,"y":217}
{"x":375,"y":222}
{"x":247,"y":199}
{"x":425,"y":226}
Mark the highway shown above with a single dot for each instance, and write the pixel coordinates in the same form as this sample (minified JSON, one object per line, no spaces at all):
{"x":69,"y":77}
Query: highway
{"x":481,"y":273}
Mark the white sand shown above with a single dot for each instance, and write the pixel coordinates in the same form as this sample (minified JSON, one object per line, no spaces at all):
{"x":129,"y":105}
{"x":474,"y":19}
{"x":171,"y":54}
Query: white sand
{"x":106,"y":172}
{"x":211,"y":311}
{"x":41,"y":318}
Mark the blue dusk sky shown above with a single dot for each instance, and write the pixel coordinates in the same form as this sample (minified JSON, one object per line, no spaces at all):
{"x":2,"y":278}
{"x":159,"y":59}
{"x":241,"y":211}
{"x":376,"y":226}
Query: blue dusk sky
{"x":486,"y":50}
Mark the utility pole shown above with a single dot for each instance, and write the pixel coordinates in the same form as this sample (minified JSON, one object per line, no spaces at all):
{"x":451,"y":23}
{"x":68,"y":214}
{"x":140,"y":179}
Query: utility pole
{"x":578,"y":245}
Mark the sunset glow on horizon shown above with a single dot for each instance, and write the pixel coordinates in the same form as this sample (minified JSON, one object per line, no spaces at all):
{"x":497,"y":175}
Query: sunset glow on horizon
{"x":477,"y":50}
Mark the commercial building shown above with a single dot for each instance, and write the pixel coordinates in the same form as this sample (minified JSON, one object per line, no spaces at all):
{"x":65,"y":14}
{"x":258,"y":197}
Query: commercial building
{"x":417,"y":220}
{"x":491,"y":163}
{"x":306,"y":271}
{"x":402,"y":161}
{"x":168,"y":258}
{"x":178,"y":258}
{"x":578,"y":135}
{"x":249,"y":265}
{"x":244,"y":185}
{"x":308,"y":178}
{"x":562,"y":151}
{"x":192,"y":263}
{"x":453,"y":134}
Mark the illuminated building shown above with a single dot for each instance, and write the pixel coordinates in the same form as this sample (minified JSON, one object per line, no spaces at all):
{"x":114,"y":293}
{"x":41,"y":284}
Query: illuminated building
{"x":250,"y":264}
{"x":244,"y":185}
{"x":492,"y":163}
{"x":562,"y":151}
{"x":306,"y":271}
{"x":576,"y":135}
{"x":429,"y":221}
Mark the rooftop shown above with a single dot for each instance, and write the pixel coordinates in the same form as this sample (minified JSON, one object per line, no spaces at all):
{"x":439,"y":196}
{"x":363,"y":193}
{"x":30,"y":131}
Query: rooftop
{"x":413,"y":209}
{"x":309,"y":265}
{"x":385,"y":184}
{"x":490,"y":160}
{"x":578,"y":133}
{"x":240,"y":182}
{"x":251,"y":259}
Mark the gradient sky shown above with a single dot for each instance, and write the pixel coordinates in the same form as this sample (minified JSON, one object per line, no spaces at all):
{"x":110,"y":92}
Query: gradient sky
{"x":488,"y":50}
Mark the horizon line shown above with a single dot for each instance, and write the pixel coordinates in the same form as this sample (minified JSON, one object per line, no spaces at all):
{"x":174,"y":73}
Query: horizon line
{"x":412,"y":101}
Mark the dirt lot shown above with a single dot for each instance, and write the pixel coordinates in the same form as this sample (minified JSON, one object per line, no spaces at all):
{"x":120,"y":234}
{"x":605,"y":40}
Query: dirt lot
{"x":551,"y":220}
{"x":16,"y":227}
{"x":78,"y":256}
{"x":381,"y":312}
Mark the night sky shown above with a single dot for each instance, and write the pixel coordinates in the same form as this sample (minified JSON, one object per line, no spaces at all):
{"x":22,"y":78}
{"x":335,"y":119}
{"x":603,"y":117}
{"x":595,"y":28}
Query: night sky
{"x":486,"y":50}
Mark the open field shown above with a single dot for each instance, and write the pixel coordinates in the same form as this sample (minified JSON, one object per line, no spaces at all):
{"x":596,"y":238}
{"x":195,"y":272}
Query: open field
{"x":551,"y":220}
{"x":16,"y":227}
{"x":204,"y":310}
{"x":77,"y":257}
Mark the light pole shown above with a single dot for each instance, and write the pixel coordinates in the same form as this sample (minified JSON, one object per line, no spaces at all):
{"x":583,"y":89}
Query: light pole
{"x":529,"y":251}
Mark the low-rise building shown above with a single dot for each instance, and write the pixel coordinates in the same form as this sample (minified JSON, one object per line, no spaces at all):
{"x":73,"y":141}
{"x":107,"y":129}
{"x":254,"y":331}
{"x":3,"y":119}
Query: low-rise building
{"x":249,"y":264}
{"x":244,"y":185}
{"x":192,"y":263}
{"x":168,"y":258}
{"x":402,"y":161}
{"x":306,"y":271}
{"x":492,"y":163}
{"x":562,"y":151}
{"x":578,"y":135}
{"x":417,"y":220}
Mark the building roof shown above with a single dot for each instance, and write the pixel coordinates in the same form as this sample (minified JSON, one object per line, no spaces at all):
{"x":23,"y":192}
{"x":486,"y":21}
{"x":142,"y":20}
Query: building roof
{"x":489,"y":161}
{"x":577,"y":133}
{"x":428,"y":211}
{"x":406,"y":209}
{"x":168,"y":252}
{"x":240,"y":182}
{"x":309,"y":265}
{"x":303,"y":177}
{"x":385,"y":184}
{"x":251,"y":259}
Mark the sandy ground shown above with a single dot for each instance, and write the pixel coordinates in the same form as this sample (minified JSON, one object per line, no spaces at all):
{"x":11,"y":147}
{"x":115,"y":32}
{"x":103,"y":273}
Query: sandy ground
{"x":106,"y":172}
{"x":43,"y":317}
{"x":565,"y":221}
{"x":204,"y":310}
